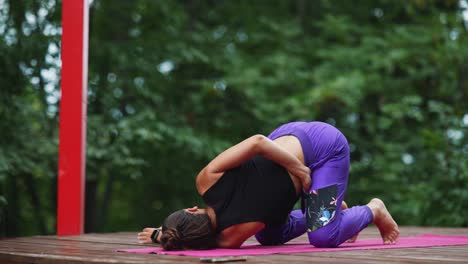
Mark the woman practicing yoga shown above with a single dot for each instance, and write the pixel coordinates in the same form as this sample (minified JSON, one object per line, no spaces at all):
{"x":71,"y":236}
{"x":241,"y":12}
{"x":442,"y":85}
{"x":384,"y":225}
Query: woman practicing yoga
{"x":251,"y":188}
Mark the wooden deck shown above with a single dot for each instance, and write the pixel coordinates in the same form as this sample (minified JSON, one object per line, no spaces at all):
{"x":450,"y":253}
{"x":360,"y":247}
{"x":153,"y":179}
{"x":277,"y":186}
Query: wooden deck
{"x":99,"y":248}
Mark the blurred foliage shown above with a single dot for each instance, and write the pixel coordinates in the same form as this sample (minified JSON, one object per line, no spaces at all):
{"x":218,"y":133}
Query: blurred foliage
{"x":173,"y":83}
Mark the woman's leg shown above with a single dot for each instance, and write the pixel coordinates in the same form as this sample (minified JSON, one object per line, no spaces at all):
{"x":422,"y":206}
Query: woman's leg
{"x":332,"y":175}
{"x":326,"y":172}
{"x":334,"y":172}
{"x":347,"y":223}
{"x":328,"y":158}
{"x":277,"y":235}
{"x":343,"y":224}
{"x":329,"y":142}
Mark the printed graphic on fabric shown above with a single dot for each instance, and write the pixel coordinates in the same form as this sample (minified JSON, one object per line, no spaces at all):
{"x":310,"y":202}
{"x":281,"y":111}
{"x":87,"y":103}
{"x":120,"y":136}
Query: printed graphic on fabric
{"x":319,"y":207}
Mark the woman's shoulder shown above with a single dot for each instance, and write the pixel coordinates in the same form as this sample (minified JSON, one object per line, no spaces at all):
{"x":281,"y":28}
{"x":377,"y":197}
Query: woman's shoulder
{"x":234,"y":236}
{"x":206,"y":179}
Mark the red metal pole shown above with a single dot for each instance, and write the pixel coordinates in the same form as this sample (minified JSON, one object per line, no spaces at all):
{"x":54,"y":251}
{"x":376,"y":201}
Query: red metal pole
{"x":72,"y":144}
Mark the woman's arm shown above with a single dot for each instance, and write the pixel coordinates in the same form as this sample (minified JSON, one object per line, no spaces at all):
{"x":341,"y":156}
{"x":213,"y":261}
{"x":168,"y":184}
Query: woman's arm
{"x":145,"y":236}
{"x":237,"y":154}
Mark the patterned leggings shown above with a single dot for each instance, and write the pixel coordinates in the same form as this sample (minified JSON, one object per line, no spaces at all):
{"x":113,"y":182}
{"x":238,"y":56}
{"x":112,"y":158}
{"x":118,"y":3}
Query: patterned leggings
{"x":326,"y":153}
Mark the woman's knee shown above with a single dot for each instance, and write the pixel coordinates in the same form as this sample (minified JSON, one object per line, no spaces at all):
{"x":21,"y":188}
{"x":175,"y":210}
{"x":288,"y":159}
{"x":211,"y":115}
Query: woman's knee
{"x":323,"y":240}
{"x":267,"y":240}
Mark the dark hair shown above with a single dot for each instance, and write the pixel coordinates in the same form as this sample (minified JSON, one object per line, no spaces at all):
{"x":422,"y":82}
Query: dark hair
{"x":183,"y":230}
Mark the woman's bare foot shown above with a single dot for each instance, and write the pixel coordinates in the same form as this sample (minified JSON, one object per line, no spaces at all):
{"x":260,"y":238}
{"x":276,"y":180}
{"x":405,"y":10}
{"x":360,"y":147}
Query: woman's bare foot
{"x":383,"y":220}
{"x":144,"y":237}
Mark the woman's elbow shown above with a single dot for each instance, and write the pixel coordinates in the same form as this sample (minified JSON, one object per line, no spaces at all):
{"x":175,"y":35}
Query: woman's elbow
{"x":257,"y":141}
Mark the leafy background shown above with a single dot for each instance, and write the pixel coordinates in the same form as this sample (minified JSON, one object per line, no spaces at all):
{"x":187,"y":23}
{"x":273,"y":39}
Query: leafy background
{"x":173,"y":83}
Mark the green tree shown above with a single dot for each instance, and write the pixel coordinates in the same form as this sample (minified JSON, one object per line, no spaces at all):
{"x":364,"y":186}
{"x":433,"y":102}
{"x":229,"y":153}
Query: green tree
{"x":173,"y":83}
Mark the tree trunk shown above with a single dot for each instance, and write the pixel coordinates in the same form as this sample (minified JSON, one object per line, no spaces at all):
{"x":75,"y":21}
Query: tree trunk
{"x":53,"y":197}
{"x":301,"y":11}
{"x":36,"y":204}
{"x":12,"y":212}
{"x":90,"y":207}
{"x":192,"y":8}
{"x":106,"y":201}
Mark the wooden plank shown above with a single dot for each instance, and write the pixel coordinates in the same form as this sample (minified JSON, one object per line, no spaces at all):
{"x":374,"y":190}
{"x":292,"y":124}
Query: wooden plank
{"x":100,"y":248}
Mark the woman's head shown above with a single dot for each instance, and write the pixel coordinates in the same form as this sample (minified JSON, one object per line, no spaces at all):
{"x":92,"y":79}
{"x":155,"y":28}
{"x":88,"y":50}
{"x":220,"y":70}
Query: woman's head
{"x":186,"y":230}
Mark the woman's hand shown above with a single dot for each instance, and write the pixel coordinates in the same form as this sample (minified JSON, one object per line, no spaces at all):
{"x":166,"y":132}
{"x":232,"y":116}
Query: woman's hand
{"x":306,"y":182}
{"x":144,"y":237}
{"x":301,"y":172}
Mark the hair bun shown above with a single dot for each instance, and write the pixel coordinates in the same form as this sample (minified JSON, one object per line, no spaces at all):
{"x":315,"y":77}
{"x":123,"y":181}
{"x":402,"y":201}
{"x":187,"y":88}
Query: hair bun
{"x":171,"y":239}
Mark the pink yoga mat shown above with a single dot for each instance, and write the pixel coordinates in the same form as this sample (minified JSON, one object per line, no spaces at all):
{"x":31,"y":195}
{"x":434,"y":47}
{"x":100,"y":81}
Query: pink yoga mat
{"x":427,"y":240}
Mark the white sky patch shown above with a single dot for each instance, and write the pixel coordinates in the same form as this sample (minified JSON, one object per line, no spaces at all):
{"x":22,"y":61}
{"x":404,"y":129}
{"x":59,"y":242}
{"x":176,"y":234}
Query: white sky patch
{"x":220,"y":86}
{"x":4,"y":10}
{"x":49,"y":87}
{"x":50,"y":30}
{"x":51,"y":99}
{"x":454,"y":34}
{"x":139,"y":82}
{"x":231,"y":48}
{"x":352,"y":118}
{"x":465,"y":120}
{"x":166,"y":67}
{"x":34,"y":80}
{"x":50,"y":4}
{"x":53,"y":48}
{"x":111,"y":77}
{"x":464,"y":7}
{"x":407,"y":158}
{"x":219,"y":32}
{"x":30,"y":18}
{"x":42,"y":12}
{"x":10,"y":37}
{"x":454,"y":134}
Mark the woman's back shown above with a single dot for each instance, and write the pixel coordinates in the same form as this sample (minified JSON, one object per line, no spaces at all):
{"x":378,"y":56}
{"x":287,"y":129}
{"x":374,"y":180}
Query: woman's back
{"x":258,"y":190}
